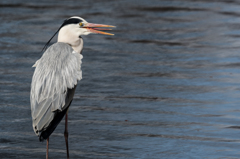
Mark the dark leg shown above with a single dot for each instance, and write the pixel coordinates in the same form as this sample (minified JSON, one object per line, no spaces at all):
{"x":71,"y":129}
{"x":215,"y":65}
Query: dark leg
{"x":66,"y":133}
{"x":47,"y":148}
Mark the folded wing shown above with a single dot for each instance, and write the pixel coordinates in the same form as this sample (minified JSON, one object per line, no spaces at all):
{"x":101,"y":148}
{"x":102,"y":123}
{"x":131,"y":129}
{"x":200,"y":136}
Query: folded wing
{"x":57,"y":71}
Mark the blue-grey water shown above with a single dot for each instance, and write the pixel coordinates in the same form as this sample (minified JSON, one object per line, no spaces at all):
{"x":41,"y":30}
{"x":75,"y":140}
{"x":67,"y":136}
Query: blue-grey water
{"x":167,"y":85}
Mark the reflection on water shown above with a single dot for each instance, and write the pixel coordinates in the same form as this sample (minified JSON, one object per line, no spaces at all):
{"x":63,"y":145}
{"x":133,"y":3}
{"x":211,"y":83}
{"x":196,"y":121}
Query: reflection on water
{"x":165,"y":86}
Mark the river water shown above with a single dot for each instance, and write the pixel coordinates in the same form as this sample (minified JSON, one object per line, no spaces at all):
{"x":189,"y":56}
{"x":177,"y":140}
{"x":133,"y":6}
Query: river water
{"x":167,"y":85}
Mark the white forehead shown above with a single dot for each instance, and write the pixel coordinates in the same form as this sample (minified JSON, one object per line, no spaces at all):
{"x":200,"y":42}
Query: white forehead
{"x":78,"y":18}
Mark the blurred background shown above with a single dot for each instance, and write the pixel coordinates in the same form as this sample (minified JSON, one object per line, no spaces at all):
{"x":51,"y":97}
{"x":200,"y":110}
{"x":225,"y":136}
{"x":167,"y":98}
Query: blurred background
{"x":167,"y":85}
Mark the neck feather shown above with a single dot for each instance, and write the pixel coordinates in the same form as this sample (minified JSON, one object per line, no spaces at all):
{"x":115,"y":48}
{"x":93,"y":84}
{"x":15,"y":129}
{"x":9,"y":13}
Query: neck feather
{"x":68,"y":35}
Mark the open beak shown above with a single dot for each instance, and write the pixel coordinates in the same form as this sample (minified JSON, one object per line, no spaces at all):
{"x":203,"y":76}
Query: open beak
{"x":95,"y":28}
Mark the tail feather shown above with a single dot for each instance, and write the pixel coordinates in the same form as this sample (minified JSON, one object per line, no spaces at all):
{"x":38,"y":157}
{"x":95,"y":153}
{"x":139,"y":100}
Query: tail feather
{"x":58,"y":115}
{"x":54,"y":123}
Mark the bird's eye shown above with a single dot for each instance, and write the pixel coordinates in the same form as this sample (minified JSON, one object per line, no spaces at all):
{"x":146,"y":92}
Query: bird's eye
{"x":81,"y":24}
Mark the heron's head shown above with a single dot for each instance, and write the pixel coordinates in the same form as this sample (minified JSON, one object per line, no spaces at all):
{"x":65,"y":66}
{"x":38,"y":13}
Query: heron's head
{"x":79,"y":26}
{"x":74,"y":27}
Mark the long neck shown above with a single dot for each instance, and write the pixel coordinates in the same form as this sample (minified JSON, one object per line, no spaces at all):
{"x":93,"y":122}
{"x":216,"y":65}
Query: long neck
{"x":79,"y":46}
{"x":69,"y":36}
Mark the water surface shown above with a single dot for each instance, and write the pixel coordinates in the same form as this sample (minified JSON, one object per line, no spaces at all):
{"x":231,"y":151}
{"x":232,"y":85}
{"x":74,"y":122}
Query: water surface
{"x":165,"y":86}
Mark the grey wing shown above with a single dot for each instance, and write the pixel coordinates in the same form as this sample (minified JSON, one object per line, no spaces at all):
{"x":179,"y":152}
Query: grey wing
{"x":56,"y":71}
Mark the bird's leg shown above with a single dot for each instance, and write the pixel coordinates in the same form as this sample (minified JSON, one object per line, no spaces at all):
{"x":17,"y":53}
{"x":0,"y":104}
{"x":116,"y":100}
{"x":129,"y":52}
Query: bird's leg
{"x":47,"y":148}
{"x":66,"y":133}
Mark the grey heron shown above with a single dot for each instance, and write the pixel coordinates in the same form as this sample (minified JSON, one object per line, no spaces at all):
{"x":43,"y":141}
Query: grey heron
{"x":56,"y":76}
